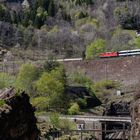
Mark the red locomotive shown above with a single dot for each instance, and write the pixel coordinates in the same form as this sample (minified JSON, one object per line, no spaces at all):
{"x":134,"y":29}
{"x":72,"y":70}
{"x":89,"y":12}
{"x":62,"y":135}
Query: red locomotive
{"x":109,"y":54}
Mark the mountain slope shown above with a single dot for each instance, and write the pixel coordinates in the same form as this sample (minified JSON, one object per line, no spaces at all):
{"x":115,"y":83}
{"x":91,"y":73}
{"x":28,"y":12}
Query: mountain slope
{"x":66,"y":28}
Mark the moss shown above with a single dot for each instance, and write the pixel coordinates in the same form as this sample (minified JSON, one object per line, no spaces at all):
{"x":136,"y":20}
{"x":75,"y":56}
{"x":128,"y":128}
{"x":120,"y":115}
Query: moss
{"x":2,"y":102}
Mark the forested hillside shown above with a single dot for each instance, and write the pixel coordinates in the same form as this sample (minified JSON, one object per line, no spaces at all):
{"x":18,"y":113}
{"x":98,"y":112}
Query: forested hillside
{"x":69,"y":28}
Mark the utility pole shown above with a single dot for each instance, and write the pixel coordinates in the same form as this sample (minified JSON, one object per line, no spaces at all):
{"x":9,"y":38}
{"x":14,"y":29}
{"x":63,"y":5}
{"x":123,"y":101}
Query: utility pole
{"x":106,"y":74}
{"x":81,"y":135}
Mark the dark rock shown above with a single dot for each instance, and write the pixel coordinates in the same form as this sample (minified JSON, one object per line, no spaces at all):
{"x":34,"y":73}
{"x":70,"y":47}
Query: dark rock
{"x":135,"y":113}
{"x":118,"y":109}
{"x":83,"y":93}
{"x":137,"y":96}
{"x":17,"y":120}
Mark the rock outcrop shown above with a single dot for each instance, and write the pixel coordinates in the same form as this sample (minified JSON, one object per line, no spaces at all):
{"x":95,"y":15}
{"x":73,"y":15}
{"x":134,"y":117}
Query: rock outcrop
{"x":118,"y":109}
{"x":17,"y":120}
{"x":135,"y":131}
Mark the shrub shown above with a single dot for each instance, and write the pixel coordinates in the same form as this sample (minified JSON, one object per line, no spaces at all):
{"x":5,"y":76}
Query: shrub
{"x":74,"y":138}
{"x":137,"y":42}
{"x":62,"y":124}
{"x":41,"y":103}
{"x":28,"y":73}
{"x":67,"y":125}
{"x":87,"y":21}
{"x":55,"y":120}
{"x":105,"y":84}
{"x":48,"y":85}
{"x":79,"y":79}
{"x":65,"y":137}
{"x":2,"y":102}
{"x":6,"y":80}
{"x":74,"y":109}
{"x":103,"y":87}
{"x":95,"y":48}
{"x":81,"y":15}
{"x":52,"y":85}
{"x":82,"y":103}
{"x":50,"y":65}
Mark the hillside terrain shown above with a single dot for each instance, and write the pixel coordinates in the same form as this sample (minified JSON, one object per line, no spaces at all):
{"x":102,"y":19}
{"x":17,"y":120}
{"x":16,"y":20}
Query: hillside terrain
{"x":66,"y":28}
{"x":41,"y":29}
{"x":36,"y":34}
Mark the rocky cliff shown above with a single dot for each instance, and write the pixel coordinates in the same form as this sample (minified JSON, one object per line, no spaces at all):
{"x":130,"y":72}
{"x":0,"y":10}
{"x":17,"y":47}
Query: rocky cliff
{"x":118,"y":109}
{"x":135,"y":132}
{"x":17,"y":120}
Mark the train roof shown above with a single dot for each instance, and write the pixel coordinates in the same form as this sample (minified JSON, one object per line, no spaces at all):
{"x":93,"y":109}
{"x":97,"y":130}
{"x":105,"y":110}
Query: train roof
{"x":125,"y":51}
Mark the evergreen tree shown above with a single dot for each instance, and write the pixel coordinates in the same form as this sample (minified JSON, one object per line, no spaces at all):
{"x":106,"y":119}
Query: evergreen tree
{"x":44,"y":4}
{"x":28,"y":73}
{"x":88,"y":2}
{"x":14,"y":17}
{"x":33,"y":15}
{"x":51,"y":9}
{"x":2,"y":12}
{"x":7,"y":16}
{"x":38,"y":22}
{"x":78,"y":2}
{"x":66,"y":17}
{"x":82,"y":15}
{"x":26,"y":18}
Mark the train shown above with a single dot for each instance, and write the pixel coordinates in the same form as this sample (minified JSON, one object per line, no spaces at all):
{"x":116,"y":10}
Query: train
{"x":120,"y":53}
{"x":107,"y":55}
